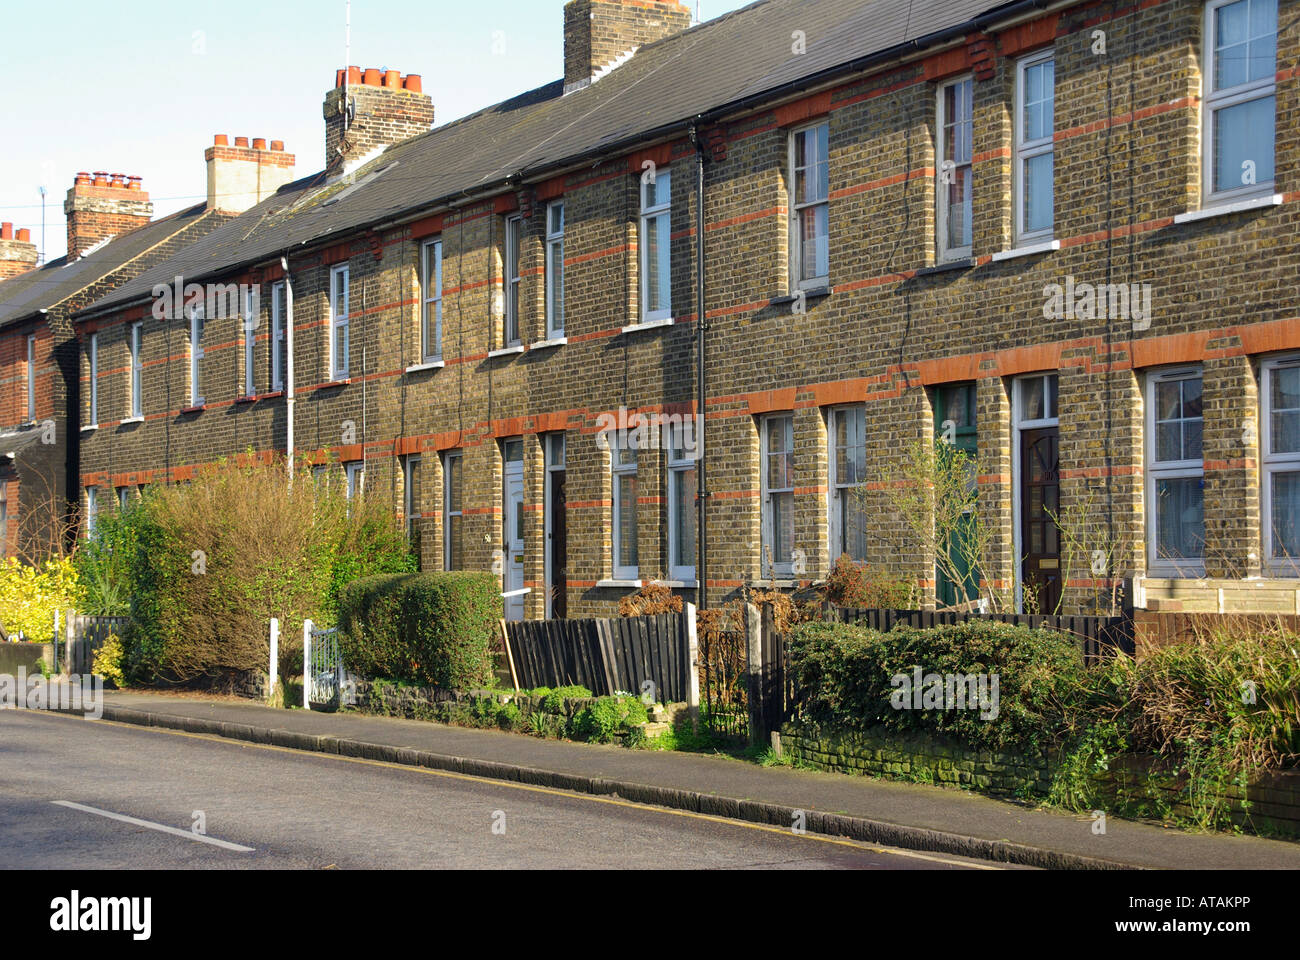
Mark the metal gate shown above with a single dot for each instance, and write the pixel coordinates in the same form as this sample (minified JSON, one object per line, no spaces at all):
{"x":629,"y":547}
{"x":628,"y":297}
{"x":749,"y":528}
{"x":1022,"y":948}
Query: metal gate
{"x":322,"y":666}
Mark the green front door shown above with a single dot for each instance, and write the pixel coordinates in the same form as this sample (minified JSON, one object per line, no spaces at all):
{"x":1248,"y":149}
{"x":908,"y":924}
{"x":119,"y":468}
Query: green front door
{"x":954,"y":425}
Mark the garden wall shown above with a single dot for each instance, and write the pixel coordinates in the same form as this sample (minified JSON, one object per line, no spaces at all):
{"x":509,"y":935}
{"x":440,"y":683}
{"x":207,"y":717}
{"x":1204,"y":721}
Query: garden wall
{"x":1274,"y":799}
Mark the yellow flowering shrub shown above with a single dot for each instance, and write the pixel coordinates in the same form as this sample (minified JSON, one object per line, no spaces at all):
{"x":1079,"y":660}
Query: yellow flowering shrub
{"x":30,"y":595}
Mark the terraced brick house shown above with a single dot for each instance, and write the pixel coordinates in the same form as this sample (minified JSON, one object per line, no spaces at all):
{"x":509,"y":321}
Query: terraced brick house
{"x":1062,"y":235}
{"x":112,"y":237}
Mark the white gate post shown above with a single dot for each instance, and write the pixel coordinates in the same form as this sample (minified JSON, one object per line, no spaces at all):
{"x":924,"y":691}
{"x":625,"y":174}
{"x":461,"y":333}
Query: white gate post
{"x":56,"y":639}
{"x":693,"y":667}
{"x":306,"y":664}
{"x":274,"y":671}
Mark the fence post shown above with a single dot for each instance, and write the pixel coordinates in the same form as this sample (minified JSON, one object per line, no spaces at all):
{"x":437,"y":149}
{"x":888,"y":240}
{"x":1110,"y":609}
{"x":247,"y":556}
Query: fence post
{"x":68,"y":616}
{"x":754,"y":669}
{"x":56,"y":639}
{"x":692,"y":667}
{"x":306,"y":664}
{"x":274,"y":671}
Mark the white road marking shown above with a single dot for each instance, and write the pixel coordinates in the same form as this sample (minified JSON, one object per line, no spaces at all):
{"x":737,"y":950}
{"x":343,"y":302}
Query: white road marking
{"x":174,"y":831}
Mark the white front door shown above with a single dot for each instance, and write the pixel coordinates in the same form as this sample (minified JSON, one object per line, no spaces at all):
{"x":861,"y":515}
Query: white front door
{"x":514,"y":539}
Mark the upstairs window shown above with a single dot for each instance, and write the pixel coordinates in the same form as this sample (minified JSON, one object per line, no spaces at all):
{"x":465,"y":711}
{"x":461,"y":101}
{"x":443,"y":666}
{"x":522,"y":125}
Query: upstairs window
{"x":1240,"y":97}
{"x":249,"y":330}
{"x":94,"y":379}
{"x":656,"y":247}
{"x":339,"y":323}
{"x":137,"y":369}
{"x":1175,"y":474}
{"x":31,"y":377}
{"x":554,"y":270}
{"x":514,"y":237}
{"x":1035,"y":158}
{"x":955,"y":149}
{"x":810,"y":218}
{"x":197,"y":324}
{"x":431,"y":310}
{"x":279,"y":349}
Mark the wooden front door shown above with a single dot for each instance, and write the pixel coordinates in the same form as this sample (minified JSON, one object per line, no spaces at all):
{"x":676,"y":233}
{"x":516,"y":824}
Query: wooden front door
{"x":557,"y":575}
{"x":1040,"y":502}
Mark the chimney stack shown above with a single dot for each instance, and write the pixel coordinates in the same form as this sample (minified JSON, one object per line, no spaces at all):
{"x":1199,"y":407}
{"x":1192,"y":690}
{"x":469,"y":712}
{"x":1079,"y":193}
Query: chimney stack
{"x":381,"y":108}
{"x":17,"y":252}
{"x":103,"y":206}
{"x":598,"y":32}
{"x":242,"y":176}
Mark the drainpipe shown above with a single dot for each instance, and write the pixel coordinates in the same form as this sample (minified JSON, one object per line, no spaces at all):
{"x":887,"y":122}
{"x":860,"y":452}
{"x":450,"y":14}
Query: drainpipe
{"x":288,"y":362}
{"x":701,"y":326}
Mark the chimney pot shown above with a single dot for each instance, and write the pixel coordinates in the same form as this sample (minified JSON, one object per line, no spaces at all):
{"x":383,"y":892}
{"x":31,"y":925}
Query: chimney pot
{"x":338,"y":77}
{"x":221,"y":140}
{"x":393,"y":78}
{"x":372,"y":77}
{"x":101,"y":178}
{"x":412,"y":82}
{"x":241,"y":141}
{"x":6,"y":231}
{"x":82,"y":178}
{"x":277,"y":146}
{"x":354,"y":76}
{"x":25,"y":235}
{"x":259,"y":143}
{"x":133,"y":183}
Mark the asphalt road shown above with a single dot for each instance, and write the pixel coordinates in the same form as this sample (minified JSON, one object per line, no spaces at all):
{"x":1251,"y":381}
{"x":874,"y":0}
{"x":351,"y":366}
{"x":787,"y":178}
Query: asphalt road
{"x":66,"y":784}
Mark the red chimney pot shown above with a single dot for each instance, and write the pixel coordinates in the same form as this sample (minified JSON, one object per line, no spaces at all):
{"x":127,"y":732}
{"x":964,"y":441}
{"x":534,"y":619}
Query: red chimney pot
{"x":393,"y":78}
{"x":372,"y":77}
{"x":354,"y":76}
{"x":6,"y":231}
{"x":413,"y":82}
{"x":259,"y":143}
{"x":25,"y":235}
{"x":221,"y":140}
{"x":241,"y":141}
{"x":277,"y":146}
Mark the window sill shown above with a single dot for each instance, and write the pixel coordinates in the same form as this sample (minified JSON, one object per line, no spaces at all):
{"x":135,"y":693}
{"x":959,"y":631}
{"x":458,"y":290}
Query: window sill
{"x":547,"y":344}
{"x":1029,"y":250}
{"x":619,"y":584}
{"x":340,"y":382}
{"x":965,"y":263}
{"x":810,"y":293}
{"x":129,"y":420}
{"x":506,"y":351}
{"x":246,"y":398}
{"x":777,"y":584}
{"x":428,"y":365}
{"x":90,"y":429}
{"x":649,"y":325}
{"x":677,"y":584}
{"x":197,"y":408}
{"x":1224,"y":209}
{"x":272,"y":395}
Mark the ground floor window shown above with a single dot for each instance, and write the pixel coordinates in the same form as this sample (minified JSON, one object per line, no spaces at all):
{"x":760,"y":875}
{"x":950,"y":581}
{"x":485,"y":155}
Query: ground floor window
{"x":778,"y":494}
{"x":1175,"y":473}
{"x":848,"y":467}
{"x":1280,"y":451}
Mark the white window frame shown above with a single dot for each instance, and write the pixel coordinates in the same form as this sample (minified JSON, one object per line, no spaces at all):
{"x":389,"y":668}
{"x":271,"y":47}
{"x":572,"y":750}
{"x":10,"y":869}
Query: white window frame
{"x":1215,"y":100}
{"x":137,"y":369}
{"x":410,"y":509}
{"x":619,"y":472}
{"x":1026,"y":150}
{"x":554,"y":282}
{"x":511,"y":336}
{"x":92,"y":510}
{"x":339,"y":321}
{"x":797,"y":282}
{"x":249,"y":339}
{"x":1156,"y":471}
{"x":835,"y":525}
{"x":779,"y":568}
{"x":448,"y":474}
{"x":197,"y":325}
{"x":4,"y":518}
{"x":946,"y":252}
{"x":431,"y":301}
{"x":31,"y":377}
{"x":1274,"y":463}
{"x":277,"y":337}
{"x":680,"y":463}
{"x":662,"y":211}
{"x":94,"y":379}
{"x":355,"y":472}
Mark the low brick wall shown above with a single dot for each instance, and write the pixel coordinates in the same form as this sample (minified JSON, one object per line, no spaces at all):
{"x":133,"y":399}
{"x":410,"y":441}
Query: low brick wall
{"x":1274,"y":799}
{"x":26,"y":655}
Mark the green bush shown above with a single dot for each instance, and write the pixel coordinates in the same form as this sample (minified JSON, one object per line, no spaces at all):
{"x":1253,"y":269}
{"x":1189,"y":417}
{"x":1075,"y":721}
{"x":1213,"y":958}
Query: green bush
{"x":610,"y":718}
{"x":426,"y":628}
{"x":844,"y":675}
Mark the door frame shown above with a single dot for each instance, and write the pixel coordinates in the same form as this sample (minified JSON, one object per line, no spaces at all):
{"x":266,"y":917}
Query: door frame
{"x":508,"y":470}
{"x":1017,"y":427}
{"x":548,"y":495}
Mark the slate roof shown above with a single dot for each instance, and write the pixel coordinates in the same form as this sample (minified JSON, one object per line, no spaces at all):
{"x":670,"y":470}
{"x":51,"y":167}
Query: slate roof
{"x":56,"y":281}
{"x":710,"y":67}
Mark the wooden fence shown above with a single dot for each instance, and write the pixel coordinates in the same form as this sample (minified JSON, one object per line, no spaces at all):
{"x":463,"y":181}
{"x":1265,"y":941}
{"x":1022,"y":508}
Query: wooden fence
{"x":83,"y":636}
{"x":1097,"y":637}
{"x":605,"y":655}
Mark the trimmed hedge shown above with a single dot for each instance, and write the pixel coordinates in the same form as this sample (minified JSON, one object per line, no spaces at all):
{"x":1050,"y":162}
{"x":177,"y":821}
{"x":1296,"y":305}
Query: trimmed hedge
{"x":843,"y":673}
{"x":426,"y":628}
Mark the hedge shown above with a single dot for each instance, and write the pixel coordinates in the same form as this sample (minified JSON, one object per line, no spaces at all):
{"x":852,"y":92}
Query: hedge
{"x":844,"y":673}
{"x":427,"y":628}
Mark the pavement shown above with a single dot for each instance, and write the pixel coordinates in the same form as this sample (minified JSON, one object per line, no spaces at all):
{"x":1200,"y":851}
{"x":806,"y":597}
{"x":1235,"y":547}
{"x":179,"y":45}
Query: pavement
{"x":101,"y":796}
{"x":907,"y":816}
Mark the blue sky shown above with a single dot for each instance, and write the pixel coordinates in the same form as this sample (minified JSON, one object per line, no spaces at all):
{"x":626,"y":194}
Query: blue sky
{"x":140,"y":88}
